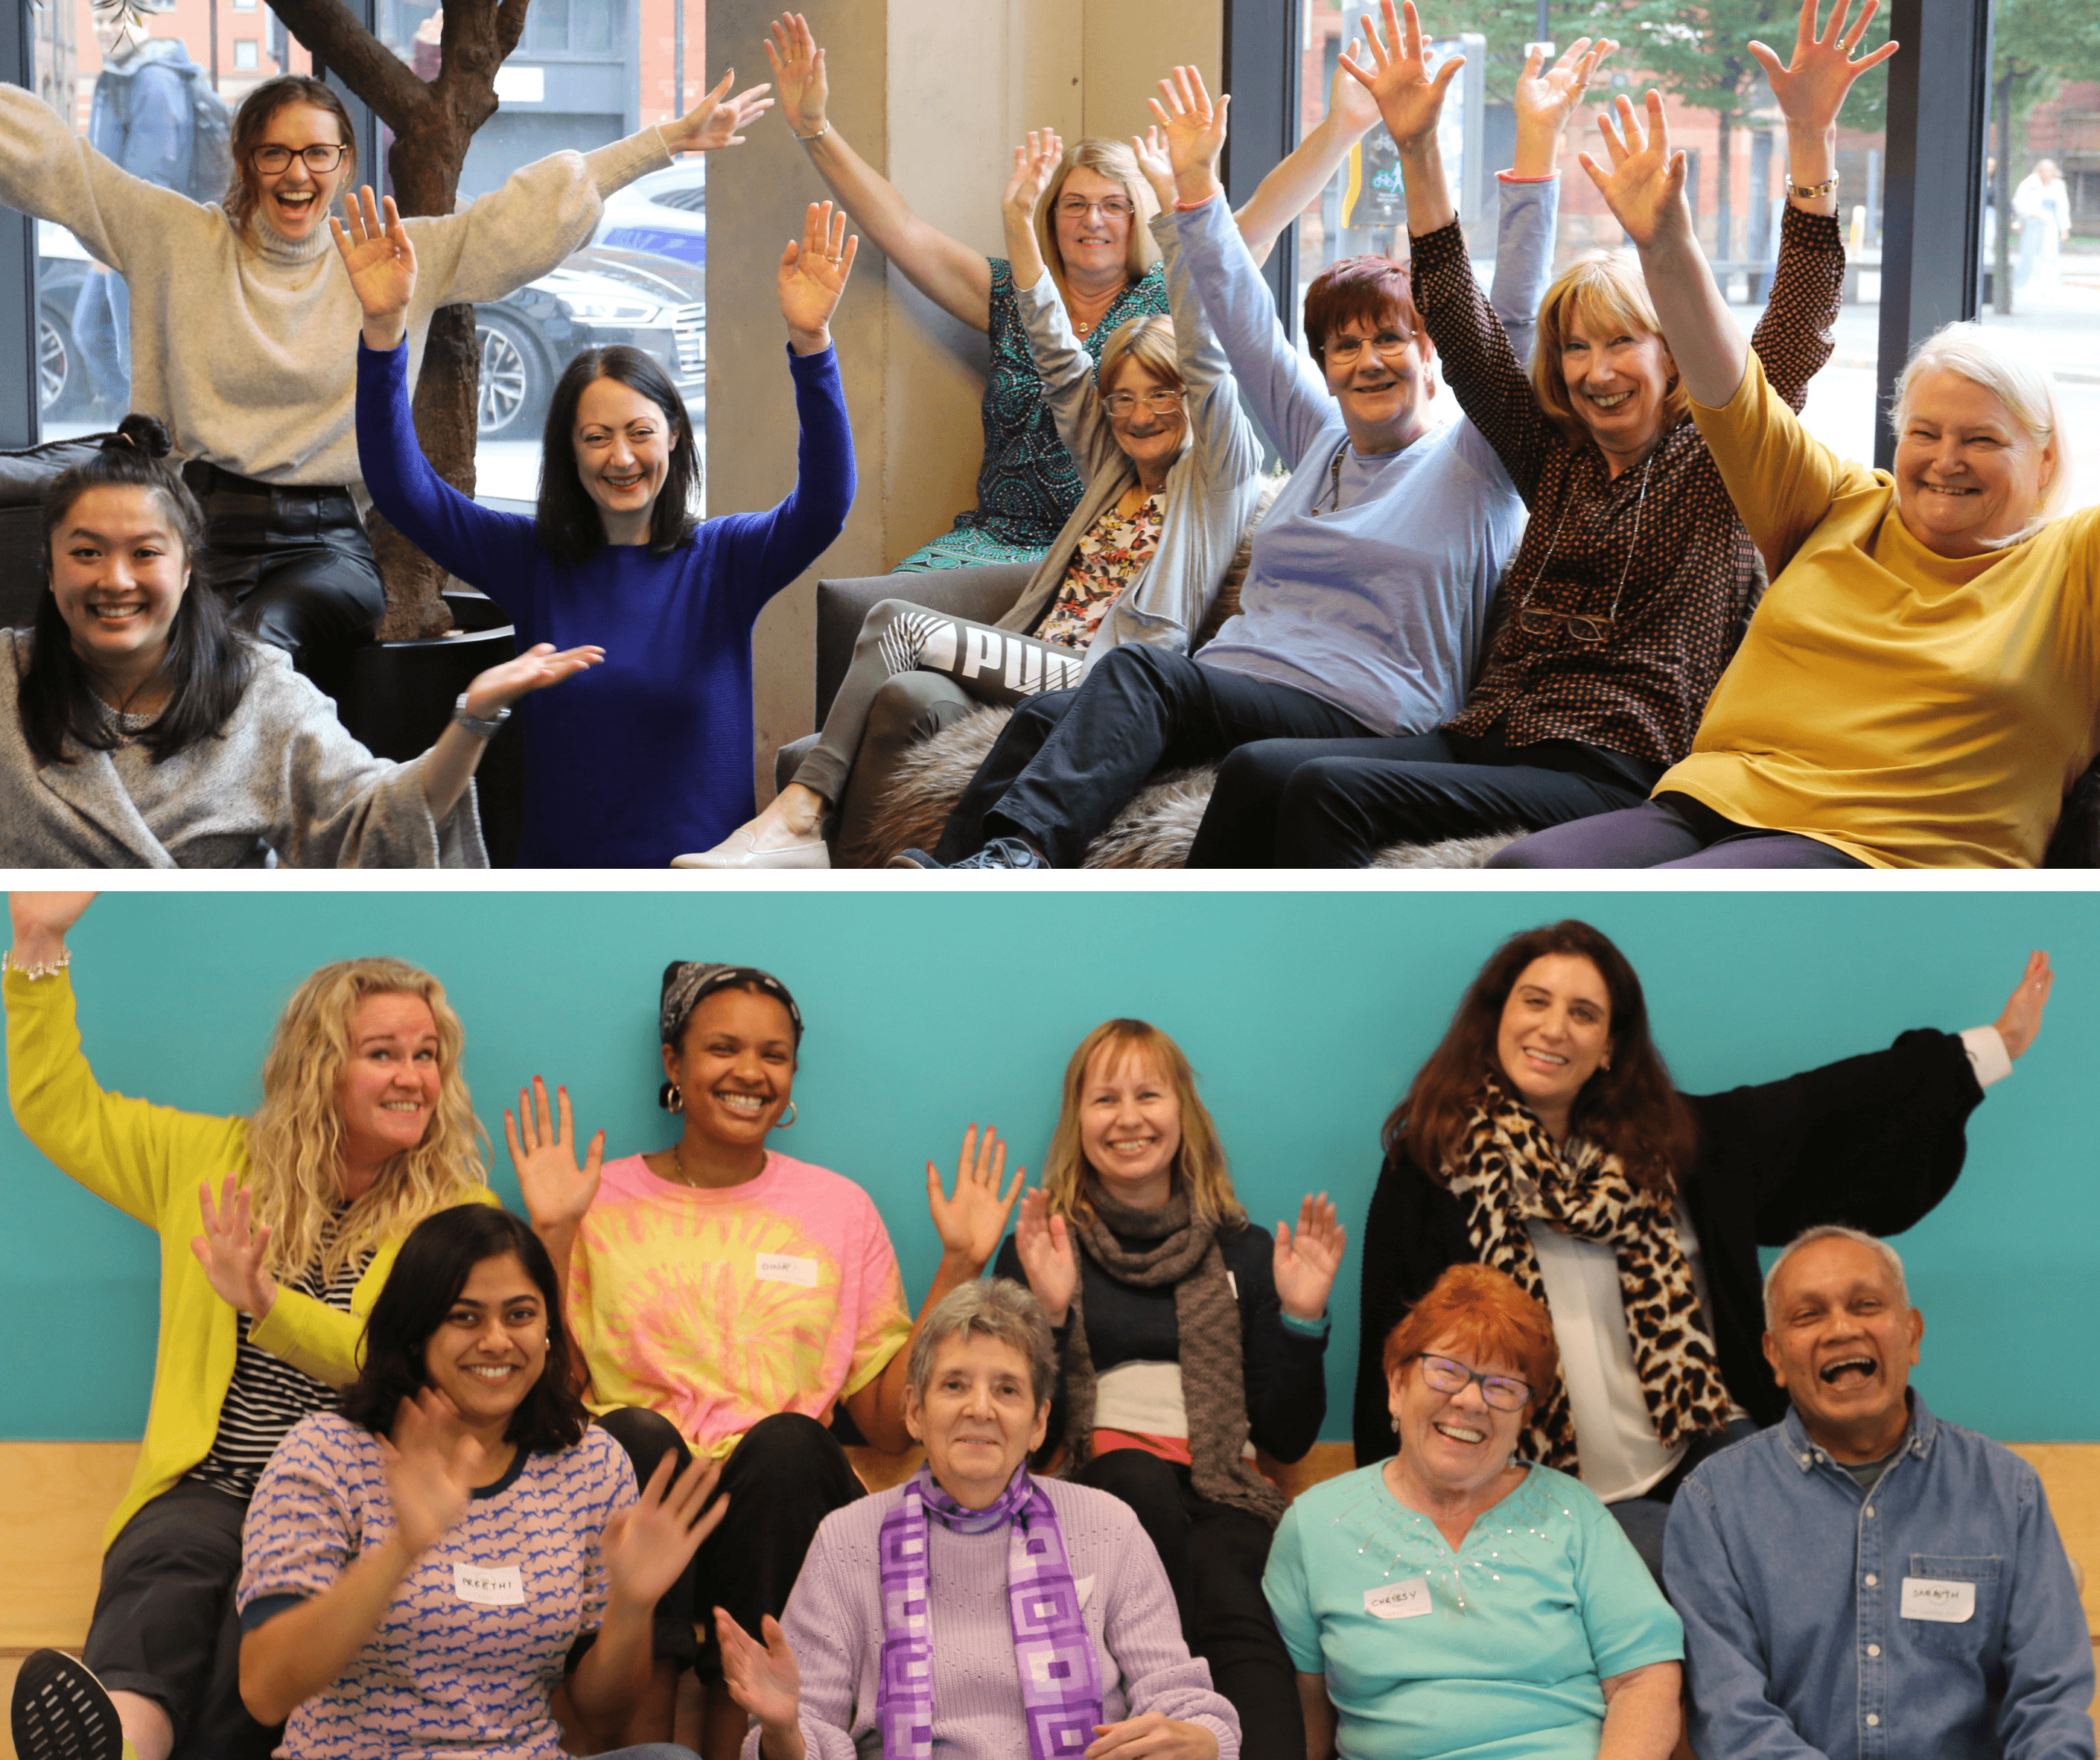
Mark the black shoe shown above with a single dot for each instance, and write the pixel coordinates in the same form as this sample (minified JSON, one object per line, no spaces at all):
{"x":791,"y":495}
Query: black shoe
{"x":61,"y":1713}
{"x":914,"y":858}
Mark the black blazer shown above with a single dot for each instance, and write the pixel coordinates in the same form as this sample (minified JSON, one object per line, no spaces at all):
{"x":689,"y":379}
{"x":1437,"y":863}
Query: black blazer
{"x":1873,"y":1142}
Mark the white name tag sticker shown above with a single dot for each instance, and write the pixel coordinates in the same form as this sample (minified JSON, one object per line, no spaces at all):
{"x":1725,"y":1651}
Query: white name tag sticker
{"x":783,"y":1267}
{"x":1084,"y":1589}
{"x":490,"y":1585}
{"x":1399,"y":1601}
{"x":1944,"y":1599}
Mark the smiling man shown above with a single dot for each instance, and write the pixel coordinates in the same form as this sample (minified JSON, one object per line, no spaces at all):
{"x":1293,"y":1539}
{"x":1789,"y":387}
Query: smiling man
{"x":1862,"y":1580}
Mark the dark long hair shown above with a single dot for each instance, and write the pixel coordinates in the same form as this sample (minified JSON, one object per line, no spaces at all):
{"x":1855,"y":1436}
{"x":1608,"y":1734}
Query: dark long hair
{"x":244,"y":194}
{"x":434,"y":1264}
{"x":1631,"y":1110}
{"x":567,"y":523}
{"x":207,"y":667}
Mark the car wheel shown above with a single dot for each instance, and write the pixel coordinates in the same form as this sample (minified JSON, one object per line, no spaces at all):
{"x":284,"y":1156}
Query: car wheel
{"x":58,"y":374}
{"x":513,"y":382}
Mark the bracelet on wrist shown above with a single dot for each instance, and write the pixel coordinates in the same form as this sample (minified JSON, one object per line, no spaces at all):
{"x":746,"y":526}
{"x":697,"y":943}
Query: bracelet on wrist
{"x":822,"y":130}
{"x":40,"y":968}
{"x":481,"y":726}
{"x":1812,"y":191}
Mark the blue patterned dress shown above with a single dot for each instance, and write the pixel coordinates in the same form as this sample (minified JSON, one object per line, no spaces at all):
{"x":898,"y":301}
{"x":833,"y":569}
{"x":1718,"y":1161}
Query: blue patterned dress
{"x":1029,"y":484}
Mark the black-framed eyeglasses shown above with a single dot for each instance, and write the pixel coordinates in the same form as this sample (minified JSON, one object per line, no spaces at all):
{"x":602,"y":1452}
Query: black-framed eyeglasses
{"x":1504,"y":1393}
{"x":1121,"y":403}
{"x":1535,"y":620}
{"x":323,"y":156}
{"x":1112,"y":207}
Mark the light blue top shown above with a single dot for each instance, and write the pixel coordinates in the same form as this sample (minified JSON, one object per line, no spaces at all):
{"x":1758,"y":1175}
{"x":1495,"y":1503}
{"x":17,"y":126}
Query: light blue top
{"x":1792,"y":1583}
{"x":1379,"y":608}
{"x":1499,"y":1652}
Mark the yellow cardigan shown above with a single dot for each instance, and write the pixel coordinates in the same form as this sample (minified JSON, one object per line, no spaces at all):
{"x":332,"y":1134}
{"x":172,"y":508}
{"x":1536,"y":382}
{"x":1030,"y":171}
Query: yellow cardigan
{"x":149,"y":1161}
{"x":1913,"y":710}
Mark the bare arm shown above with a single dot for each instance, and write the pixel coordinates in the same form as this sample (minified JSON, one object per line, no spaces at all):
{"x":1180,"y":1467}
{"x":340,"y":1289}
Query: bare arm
{"x":451,"y":761}
{"x":1294,"y":185}
{"x":1318,"y":1710}
{"x":1643,"y":1718}
{"x":947,"y":271}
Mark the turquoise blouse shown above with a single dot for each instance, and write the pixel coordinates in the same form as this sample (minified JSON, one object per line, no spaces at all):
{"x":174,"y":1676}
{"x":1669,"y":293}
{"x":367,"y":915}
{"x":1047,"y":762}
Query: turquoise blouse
{"x":1497,"y":1651}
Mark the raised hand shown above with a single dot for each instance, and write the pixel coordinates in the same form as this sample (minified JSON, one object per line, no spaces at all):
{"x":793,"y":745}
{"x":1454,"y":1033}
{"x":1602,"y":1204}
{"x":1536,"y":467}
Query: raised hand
{"x":1034,"y":164}
{"x":763,"y":1679}
{"x":1350,"y":105}
{"x":1408,"y":97}
{"x":1811,"y":87}
{"x":971,"y":1223}
{"x":1546,"y":99}
{"x":714,"y":121}
{"x":1155,"y":161}
{"x":1048,"y":1259}
{"x":557,"y":1192}
{"x":1195,"y":126}
{"x":231,"y":1252}
{"x":1154,"y":1736}
{"x":41,"y":920}
{"x":813,"y":275}
{"x":1305,"y":1263}
{"x":798,"y":70}
{"x":432,"y":1460}
{"x":1644,"y":189}
{"x":381,"y":261}
{"x":537,"y":668}
{"x":2020,"y":1022}
{"x":646,"y":1545}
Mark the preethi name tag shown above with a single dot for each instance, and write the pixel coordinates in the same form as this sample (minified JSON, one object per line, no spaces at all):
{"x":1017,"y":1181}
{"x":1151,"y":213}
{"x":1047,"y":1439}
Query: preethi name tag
{"x":1946,"y":1600}
{"x":1398,"y":1601}
{"x":783,"y":1267}
{"x":490,"y":1585}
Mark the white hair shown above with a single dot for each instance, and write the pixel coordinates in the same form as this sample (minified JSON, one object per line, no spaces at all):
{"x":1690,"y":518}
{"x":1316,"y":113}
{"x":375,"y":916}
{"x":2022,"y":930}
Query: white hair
{"x":2006,"y":367}
{"x":1831,"y":1231}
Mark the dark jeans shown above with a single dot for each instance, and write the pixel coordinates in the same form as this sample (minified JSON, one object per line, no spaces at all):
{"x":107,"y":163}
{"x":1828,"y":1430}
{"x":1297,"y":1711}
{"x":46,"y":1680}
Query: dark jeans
{"x":296,"y":561}
{"x":785,"y":1476}
{"x":1672,"y":830}
{"x":1067,"y":762}
{"x":1644,"y":1517}
{"x":1336,"y":803}
{"x":1215,"y":1556}
{"x":164,"y":1625}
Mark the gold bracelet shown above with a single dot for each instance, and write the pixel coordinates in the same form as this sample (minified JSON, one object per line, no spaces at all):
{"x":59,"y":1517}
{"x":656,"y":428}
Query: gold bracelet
{"x":1812,"y":191}
{"x":806,"y":139}
{"x":41,"y":968}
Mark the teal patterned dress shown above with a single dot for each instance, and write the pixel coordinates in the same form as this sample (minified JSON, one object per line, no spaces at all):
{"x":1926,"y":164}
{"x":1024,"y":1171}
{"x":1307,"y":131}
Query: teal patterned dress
{"x":1029,"y":485}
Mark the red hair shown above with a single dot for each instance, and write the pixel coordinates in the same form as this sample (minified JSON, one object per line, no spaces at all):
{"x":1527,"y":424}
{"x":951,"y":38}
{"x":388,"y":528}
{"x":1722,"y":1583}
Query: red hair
{"x":1364,"y":288}
{"x":1489,"y":1318}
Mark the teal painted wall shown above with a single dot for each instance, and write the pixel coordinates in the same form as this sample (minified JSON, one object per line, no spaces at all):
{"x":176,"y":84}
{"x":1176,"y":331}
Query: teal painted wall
{"x":1304,"y":1014}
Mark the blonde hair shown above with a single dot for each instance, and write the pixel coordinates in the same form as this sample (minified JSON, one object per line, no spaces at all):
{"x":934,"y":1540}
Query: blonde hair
{"x":1148,"y":340}
{"x":1603,"y":289}
{"x":295,"y":1139}
{"x":1199,"y":1164}
{"x":2010,"y":372}
{"x":1111,"y":159}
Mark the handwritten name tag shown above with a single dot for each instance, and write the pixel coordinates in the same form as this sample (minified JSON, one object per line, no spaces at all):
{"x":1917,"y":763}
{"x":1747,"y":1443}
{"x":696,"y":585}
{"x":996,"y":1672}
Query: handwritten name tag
{"x":490,"y":1585}
{"x":1399,"y":1601}
{"x":1942,"y":1598}
{"x":783,"y":1267}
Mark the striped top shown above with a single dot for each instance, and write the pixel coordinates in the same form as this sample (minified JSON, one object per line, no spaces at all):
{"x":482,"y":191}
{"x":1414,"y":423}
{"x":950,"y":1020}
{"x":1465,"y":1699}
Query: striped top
{"x":267,"y":1396}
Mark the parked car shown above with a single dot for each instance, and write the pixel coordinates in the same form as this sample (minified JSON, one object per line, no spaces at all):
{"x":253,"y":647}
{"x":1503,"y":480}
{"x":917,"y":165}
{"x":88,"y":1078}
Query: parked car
{"x":64,"y":390}
{"x":664,"y":212}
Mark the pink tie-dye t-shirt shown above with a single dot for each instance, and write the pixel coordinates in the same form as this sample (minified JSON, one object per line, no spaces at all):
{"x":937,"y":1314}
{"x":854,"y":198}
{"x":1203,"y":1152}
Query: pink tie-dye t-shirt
{"x":716,"y":1308}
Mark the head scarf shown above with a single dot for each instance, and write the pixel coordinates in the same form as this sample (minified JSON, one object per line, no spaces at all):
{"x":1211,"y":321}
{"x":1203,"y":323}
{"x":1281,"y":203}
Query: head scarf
{"x":687,"y":983}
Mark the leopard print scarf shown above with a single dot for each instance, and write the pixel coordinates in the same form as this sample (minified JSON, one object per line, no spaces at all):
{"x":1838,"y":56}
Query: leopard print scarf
{"x":1508,"y":1170}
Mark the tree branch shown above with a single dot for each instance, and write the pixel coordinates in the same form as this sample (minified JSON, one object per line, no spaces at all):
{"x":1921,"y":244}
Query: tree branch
{"x":371,"y":70}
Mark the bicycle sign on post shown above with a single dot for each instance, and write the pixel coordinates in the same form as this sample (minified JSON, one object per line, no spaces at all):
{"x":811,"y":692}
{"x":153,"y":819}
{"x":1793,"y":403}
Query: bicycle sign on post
{"x":1374,"y":207}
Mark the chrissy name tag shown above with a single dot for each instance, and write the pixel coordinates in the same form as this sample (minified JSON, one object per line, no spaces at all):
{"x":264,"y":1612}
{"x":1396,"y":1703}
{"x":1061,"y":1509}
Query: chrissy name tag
{"x":1946,"y":1600}
{"x":783,"y":1267}
{"x":1399,"y":1601}
{"x":490,"y":1585}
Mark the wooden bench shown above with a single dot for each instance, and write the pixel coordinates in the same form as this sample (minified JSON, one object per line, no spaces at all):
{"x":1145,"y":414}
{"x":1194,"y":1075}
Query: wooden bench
{"x":55,"y":1496}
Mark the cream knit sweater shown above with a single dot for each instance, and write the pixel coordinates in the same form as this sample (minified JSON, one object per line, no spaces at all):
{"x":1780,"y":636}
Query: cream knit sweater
{"x":248,"y":350}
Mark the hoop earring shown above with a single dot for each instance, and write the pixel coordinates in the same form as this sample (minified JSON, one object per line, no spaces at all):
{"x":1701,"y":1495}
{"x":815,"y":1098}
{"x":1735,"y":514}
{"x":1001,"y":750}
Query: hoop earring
{"x":674,"y":1101}
{"x":787,"y":1122}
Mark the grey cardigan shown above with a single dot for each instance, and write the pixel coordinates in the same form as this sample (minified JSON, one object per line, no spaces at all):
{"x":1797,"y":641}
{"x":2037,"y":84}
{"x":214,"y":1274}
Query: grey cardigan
{"x":285,"y":784}
{"x":1211,"y":489}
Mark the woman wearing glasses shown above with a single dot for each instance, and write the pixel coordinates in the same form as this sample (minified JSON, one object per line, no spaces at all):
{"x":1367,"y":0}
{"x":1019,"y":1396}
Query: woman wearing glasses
{"x":241,"y":324}
{"x":1173,"y":469}
{"x":1529,"y":1625}
{"x":1634,"y":578}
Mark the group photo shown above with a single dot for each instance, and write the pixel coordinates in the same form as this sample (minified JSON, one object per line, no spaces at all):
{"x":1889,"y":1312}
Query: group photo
{"x":515,"y":1324}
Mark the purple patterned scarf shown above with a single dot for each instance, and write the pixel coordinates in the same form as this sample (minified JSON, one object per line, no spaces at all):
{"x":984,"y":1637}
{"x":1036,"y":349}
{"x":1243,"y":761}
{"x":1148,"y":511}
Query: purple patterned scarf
{"x":1061,"y":1680}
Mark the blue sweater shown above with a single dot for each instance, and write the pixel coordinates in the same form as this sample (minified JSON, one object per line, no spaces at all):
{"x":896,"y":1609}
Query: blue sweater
{"x":649,"y":755}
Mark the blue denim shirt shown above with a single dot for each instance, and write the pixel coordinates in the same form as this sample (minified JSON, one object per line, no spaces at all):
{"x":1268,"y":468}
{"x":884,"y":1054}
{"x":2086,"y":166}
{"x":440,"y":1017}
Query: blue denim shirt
{"x":1790,"y":1581}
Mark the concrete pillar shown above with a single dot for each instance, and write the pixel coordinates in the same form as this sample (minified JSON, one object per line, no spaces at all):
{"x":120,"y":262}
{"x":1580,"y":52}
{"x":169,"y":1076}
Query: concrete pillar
{"x":935,"y":94}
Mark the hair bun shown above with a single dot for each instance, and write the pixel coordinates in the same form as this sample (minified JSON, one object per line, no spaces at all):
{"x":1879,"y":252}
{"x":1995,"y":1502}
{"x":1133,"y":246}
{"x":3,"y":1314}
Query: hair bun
{"x":143,"y":432}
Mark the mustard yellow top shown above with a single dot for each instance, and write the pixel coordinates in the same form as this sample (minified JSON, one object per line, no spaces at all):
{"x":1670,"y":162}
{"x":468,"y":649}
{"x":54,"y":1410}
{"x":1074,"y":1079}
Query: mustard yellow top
{"x":149,"y":1161}
{"x":1908,"y":708}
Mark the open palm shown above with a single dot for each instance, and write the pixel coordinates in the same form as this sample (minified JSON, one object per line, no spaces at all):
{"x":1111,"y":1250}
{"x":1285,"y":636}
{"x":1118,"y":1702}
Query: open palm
{"x":762,"y":1678}
{"x":1546,"y":96}
{"x":377,"y":254}
{"x":813,"y":271}
{"x":543,"y":1151}
{"x":645,"y":1545}
{"x":537,"y":668}
{"x":971,"y":1223}
{"x":1049,"y":1258}
{"x":1811,"y":88}
{"x":798,"y":70}
{"x":1195,"y":126}
{"x":1410,"y":98}
{"x":1155,"y":161}
{"x":1306,"y":1260}
{"x":1034,"y":164}
{"x":1644,"y":188}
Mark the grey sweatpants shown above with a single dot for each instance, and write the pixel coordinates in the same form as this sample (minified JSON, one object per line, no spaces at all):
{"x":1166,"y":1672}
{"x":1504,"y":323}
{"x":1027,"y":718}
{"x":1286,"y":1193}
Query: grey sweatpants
{"x":914,"y":671}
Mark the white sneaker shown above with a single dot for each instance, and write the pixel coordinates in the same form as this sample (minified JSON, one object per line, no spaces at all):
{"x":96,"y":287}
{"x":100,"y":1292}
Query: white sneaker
{"x":740,"y":850}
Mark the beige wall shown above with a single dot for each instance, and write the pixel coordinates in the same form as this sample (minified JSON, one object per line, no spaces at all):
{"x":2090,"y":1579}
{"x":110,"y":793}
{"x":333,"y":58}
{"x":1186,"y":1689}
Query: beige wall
{"x":935,"y":93}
